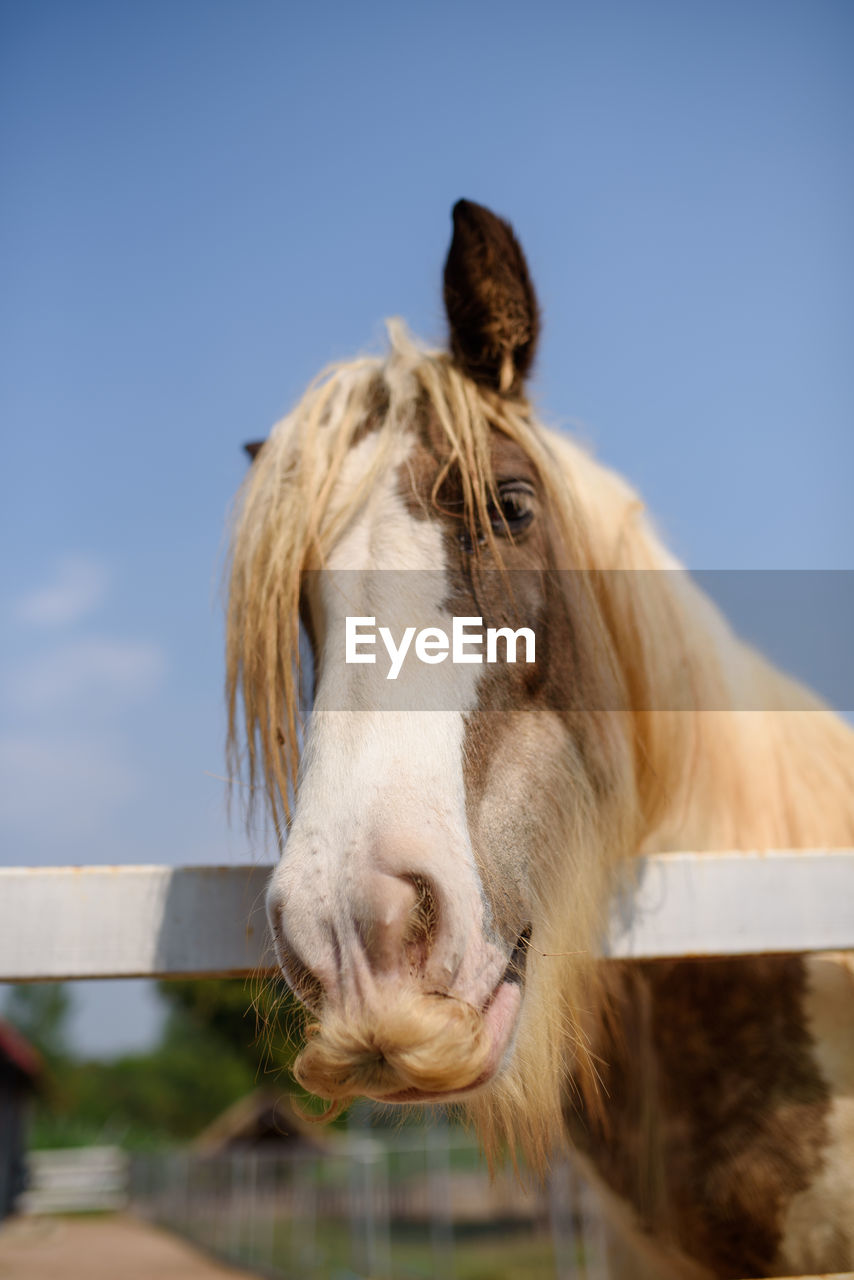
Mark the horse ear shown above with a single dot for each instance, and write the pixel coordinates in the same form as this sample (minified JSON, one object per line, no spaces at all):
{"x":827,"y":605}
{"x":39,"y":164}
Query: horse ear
{"x":253,"y":448}
{"x":490,"y":300}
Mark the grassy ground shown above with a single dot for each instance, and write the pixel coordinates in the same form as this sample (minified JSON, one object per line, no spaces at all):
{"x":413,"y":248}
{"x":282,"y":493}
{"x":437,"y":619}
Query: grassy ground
{"x":411,"y":1255}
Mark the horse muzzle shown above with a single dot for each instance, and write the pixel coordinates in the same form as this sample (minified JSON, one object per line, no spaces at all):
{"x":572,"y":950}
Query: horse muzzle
{"x":414,"y":1002}
{"x":412,"y":1047}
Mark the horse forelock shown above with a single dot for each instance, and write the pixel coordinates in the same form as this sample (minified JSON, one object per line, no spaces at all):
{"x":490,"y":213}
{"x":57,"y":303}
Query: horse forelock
{"x":296,"y":503}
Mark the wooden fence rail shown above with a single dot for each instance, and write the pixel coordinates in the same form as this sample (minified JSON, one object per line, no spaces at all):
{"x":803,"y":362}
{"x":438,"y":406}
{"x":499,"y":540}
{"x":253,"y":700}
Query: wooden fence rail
{"x":156,"y":921}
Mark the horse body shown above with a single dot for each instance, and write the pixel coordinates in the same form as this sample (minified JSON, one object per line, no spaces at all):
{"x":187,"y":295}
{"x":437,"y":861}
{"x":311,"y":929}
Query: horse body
{"x":456,"y":837}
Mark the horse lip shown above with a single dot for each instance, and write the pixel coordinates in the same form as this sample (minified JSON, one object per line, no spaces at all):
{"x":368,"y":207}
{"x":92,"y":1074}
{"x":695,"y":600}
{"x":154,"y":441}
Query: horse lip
{"x":508,"y":991}
{"x":515,"y":971}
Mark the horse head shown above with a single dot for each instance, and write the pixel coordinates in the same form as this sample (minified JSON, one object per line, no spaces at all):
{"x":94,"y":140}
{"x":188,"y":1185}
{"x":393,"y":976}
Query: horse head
{"x":451,"y":832}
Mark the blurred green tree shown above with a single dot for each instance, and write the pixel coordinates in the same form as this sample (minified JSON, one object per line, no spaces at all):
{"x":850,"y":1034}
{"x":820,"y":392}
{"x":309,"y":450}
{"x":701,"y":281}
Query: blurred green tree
{"x":221,"y":1038}
{"x":258,"y":1019}
{"x":40,"y":1011}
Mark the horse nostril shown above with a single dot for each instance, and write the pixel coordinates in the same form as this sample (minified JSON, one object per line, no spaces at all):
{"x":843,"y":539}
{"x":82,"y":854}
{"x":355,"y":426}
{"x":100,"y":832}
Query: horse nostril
{"x":305,"y":985}
{"x":396,"y":921}
{"x":422,"y":924}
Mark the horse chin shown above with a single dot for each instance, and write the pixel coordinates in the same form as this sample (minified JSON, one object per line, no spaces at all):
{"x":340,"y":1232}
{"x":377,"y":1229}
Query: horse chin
{"x":500,"y":1017}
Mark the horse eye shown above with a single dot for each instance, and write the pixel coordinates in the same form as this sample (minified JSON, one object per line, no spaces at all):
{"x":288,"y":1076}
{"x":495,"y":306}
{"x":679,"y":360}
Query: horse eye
{"x":514,"y":510}
{"x":509,"y":515}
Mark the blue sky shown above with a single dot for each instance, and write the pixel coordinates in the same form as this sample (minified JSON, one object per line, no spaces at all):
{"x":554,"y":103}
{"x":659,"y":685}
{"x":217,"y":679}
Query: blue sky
{"x":206,"y":202}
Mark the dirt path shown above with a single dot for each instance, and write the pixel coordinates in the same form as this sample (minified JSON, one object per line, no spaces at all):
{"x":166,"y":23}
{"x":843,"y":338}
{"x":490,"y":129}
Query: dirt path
{"x":110,"y":1248}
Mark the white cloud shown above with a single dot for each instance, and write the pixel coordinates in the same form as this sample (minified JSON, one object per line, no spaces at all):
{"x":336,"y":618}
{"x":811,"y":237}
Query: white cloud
{"x":77,"y":588}
{"x":102,"y":674}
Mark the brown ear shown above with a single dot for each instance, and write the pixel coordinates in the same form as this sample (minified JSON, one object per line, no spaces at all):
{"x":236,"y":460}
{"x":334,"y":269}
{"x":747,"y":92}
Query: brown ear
{"x":253,"y":448}
{"x":490,"y":300}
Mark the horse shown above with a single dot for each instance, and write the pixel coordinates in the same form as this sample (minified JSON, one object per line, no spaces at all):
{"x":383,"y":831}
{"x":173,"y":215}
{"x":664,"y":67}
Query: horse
{"x":450,"y":844}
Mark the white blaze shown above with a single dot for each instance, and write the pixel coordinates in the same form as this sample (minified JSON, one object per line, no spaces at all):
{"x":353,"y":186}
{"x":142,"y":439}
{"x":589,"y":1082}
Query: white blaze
{"x":381,"y":778}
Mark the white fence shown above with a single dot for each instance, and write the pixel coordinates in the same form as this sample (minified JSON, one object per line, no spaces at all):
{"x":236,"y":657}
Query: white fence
{"x":411,"y":1204}
{"x":124,"y":922}
{"x":76,"y":1180}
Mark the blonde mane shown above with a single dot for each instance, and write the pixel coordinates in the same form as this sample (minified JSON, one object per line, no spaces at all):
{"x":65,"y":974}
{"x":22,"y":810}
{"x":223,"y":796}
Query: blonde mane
{"x":709,"y":775}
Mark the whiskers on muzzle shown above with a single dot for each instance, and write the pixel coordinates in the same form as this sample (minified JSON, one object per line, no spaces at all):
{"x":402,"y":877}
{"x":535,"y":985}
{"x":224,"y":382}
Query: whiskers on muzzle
{"x":426,"y":1043}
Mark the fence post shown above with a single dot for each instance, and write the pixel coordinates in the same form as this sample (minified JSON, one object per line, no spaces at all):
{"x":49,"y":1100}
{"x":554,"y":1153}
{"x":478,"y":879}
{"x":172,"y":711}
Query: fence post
{"x":562,"y":1192}
{"x":234,"y":1200}
{"x":369,"y":1229}
{"x":267,"y":1200}
{"x":593,"y":1233}
{"x":441,"y":1211}
{"x":304,"y":1220}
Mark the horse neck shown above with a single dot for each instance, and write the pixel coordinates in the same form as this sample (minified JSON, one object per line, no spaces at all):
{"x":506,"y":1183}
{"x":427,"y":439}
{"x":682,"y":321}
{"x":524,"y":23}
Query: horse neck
{"x":711,"y":774}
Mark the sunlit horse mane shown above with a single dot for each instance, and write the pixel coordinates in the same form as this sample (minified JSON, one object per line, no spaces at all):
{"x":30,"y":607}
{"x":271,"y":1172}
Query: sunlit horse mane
{"x":706,"y":775}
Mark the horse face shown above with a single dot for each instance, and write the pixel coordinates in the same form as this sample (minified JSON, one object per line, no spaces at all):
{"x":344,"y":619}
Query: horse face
{"x":404,"y":882}
{"x":406,"y":895}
